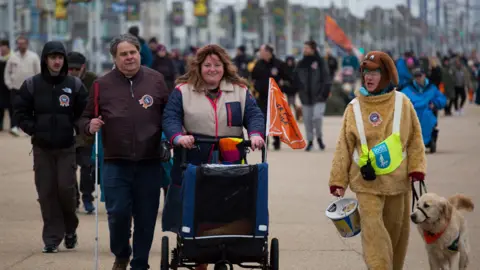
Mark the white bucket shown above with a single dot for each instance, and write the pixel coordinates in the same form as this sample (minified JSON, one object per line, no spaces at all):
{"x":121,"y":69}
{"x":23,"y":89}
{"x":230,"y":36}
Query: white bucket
{"x":344,"y":214}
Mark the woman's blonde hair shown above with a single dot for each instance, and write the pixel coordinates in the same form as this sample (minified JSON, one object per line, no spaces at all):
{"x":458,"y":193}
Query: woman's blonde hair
{"x":433,"y":62}
{"x":194,"y":75}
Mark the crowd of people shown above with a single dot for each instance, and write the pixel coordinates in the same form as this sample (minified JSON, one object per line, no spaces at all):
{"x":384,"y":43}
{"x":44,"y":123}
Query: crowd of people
{"x":152,"y":92}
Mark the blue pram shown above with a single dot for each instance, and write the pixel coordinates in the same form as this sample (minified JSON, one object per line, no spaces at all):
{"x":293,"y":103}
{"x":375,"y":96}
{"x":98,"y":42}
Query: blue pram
{"x":224,"y":217}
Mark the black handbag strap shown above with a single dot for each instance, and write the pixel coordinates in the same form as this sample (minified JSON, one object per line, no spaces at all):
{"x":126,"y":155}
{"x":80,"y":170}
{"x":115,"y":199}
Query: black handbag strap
{"x":422,"y":188}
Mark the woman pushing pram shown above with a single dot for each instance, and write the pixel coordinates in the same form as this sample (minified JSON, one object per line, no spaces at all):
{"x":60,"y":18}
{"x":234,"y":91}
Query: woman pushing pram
{"x":211,"y":101}
{"x":427,"y":100}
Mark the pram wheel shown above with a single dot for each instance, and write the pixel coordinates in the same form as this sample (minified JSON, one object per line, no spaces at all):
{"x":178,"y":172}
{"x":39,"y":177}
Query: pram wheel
{"x":274,"y":255}
{"x":165,"y":252}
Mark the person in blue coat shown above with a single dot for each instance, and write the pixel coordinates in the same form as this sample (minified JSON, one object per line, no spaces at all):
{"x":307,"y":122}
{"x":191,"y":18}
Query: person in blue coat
{"x":404,"y":64}
{"x":427,"y":100}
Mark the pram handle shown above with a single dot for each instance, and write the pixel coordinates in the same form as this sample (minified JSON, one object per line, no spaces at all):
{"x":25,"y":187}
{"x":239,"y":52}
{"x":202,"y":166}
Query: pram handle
{"x":214,"y":141}
{"x":247,"y":143}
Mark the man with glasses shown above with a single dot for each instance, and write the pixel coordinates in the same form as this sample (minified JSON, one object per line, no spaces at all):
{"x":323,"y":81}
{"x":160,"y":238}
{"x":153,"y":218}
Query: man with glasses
{"x":83,"y":144}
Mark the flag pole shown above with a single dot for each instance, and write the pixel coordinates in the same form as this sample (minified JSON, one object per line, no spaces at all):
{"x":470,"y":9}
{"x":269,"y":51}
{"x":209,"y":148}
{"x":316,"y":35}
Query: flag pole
{"x":267,"y":125}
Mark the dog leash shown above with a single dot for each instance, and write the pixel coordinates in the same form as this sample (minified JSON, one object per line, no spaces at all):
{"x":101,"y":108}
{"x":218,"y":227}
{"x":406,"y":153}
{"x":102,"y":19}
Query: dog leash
{"x":415,"y":197}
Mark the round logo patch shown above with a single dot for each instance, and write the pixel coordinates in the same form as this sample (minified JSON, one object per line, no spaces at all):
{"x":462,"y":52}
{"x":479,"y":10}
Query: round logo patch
{"x":146,"y":101}
{"x":64,"y":101}
{"x":375,"y":119}
{"x":274,"y":71}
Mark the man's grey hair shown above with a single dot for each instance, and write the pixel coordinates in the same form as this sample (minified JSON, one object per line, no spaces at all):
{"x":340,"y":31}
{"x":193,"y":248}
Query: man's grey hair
{"x":121,"y":38}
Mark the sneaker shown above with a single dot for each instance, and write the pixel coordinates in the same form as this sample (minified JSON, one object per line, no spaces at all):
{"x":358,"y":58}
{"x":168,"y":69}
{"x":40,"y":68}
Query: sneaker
{"x":88,"y":205}
{"x":120,"y":264}
{"x":309,"y":147}
{"x":321,"y":144}
{"x":70,"y":241}
{"x":50,"y":249}
{"x":15,"y":132}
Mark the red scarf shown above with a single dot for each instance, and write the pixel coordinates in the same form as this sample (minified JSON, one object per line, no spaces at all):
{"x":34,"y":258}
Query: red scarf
{"x":432,"y":237}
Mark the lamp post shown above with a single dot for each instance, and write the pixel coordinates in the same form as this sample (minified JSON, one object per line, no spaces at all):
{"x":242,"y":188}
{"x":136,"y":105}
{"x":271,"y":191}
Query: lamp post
{"x":11,"y":22}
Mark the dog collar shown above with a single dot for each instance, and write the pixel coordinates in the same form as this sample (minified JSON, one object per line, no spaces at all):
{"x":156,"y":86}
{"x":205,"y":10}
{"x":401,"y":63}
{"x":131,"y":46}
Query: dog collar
{"x":432,"y":237}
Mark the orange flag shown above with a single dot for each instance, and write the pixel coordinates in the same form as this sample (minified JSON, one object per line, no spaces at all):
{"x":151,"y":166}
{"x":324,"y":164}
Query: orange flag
{"x":280,"y":120}
{"x":336,"y":34}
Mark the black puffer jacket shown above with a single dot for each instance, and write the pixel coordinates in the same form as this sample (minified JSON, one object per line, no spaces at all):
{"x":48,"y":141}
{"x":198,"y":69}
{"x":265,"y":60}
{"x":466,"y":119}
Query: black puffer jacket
{"x":48,"y":108}
{"x":313,"y":80}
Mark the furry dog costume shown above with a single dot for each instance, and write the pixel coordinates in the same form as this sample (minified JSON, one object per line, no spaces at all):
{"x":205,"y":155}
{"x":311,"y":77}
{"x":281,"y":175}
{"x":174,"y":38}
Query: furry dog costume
{"x":384,"y":203}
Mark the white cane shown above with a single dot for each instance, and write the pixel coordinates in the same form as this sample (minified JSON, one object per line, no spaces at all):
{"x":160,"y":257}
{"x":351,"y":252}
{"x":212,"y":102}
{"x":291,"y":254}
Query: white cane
{"x":97,"y":188}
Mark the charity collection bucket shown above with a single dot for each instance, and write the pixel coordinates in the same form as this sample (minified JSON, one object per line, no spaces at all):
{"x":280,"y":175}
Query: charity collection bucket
{"x":345,"y":216}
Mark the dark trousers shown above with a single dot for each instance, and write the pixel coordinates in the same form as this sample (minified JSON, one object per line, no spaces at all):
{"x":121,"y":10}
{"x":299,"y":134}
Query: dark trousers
{"x":55,"y":183}
{"x":87,"y":180}
{"x":276,"y":139}
{"x":132,"y":190}
{"x":460,"y":95}
{"x":9,"y":108}
{"x":10,"y":114}
{"x":449,"y":105}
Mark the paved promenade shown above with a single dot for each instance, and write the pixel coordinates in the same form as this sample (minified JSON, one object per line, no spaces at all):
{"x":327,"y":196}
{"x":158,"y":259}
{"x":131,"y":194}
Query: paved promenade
{"x":298,"y":198}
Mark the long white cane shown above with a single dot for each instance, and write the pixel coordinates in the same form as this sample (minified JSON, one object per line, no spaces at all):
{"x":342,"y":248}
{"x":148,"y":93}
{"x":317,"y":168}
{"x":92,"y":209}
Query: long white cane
{"x":97,"y":188}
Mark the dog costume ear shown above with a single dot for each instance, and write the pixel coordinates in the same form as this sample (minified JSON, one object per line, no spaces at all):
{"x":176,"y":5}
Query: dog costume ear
{"x":390,"y":67}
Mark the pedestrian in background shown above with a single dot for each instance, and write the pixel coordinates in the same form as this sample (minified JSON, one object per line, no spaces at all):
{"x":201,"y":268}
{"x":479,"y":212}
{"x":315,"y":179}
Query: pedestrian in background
{"x":21,"y":65}
{"x":314,"y":89}
{"x":83,"y":144}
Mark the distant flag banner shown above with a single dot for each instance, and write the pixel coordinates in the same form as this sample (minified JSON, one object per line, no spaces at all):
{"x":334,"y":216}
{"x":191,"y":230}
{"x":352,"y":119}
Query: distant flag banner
{"x":280,"y":120}
{"x":336,"y":34}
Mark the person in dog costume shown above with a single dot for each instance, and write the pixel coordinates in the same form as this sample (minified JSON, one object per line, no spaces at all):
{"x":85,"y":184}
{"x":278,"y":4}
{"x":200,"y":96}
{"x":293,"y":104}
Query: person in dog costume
{"x":379,"y":152}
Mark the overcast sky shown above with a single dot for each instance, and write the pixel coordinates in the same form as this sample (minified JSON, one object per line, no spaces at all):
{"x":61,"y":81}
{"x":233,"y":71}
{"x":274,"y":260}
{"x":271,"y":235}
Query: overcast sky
{"x":357,"y":6}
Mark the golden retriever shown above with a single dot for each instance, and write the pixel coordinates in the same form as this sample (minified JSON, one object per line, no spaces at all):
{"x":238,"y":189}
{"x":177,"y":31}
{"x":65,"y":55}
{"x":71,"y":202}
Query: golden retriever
{"x":444,"y":229}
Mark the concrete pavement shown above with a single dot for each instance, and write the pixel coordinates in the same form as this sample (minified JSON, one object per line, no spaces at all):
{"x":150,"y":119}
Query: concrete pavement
{"x":298,"y":198}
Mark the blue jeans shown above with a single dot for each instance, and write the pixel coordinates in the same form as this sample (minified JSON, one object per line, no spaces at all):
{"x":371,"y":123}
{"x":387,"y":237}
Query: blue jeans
{"x":132,"y":190}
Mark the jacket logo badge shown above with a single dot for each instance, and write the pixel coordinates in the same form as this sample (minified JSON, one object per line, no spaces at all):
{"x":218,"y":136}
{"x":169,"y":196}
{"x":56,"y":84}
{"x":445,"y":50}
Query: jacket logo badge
{"x":64,"y":101}
{"x":274,"y":71}
{"x":314,"y":65}
{"x":67,"y":90}
{"x":375,"y":119}
{"x":146,"y":101}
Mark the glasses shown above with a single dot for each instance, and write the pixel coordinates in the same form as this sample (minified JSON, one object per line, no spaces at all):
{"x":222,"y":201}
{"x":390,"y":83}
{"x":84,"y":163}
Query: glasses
{"x":371,"y":73}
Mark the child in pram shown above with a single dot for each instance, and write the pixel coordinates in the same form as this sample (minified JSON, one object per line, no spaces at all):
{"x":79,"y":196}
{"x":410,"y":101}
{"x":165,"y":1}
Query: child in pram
{"x":427,"y":100}
{"x":211,"y":101}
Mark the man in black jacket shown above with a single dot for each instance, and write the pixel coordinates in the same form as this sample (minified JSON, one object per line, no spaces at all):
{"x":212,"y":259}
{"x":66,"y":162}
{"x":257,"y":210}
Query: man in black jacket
{"x":46,"y":108}
{"x":241,"y":62}
{"x":269,"y":66}
{"x":314,"y":89}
